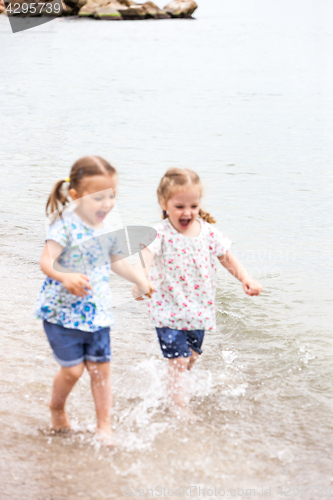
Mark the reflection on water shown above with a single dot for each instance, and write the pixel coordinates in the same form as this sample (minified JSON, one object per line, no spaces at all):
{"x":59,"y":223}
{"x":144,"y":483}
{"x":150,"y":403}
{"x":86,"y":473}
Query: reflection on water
{"x":242,"y":95}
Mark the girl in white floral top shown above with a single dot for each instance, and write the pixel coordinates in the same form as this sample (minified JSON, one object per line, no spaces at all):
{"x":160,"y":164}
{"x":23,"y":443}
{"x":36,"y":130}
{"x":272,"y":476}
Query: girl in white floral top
{"x":182,"y":266}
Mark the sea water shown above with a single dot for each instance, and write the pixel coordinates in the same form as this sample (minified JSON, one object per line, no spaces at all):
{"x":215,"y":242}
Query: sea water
{"x":243,"y":95}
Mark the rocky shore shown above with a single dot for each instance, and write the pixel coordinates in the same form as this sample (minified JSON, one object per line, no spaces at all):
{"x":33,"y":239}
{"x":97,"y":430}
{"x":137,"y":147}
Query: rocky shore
{"x":112,"y":10}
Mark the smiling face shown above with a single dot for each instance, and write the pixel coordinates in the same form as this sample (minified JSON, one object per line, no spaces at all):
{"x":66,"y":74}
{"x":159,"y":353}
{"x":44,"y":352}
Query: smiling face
{"x":183,"y":209}
{"x":95,"y":198}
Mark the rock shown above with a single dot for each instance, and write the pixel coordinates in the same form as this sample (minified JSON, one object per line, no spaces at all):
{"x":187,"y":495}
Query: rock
{"x":127,"y":3}
{"x":109,"y":12}
{"x":105,"y":9}
{"x":104,"y":3}
{"x":89,"y":9}
{"x":147,"y":10}
{"x":136,"y":11}
{"x":67,"y":10}
{"x":74,"y":5}
{"x":80,"y":4}
{"x":181,"y":8}
{"x":152,"y":11}
{"x":116,"y":5}
{"x":100,"y":9}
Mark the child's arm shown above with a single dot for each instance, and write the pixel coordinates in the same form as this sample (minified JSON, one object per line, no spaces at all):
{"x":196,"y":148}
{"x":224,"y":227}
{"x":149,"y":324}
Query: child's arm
{"x":232,"y":264}
{"x":143,"y":265}
{"x":75,"y":283}
{"x":121,"y":267}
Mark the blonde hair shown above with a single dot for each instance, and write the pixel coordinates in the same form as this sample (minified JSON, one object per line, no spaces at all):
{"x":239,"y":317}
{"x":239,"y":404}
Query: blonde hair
{"x":176,"y":179}
{"x":84,"y":167}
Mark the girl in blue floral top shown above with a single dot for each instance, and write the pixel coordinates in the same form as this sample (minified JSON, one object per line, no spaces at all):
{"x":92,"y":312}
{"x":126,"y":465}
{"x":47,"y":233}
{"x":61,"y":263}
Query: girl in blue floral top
{"x":75,"y":299}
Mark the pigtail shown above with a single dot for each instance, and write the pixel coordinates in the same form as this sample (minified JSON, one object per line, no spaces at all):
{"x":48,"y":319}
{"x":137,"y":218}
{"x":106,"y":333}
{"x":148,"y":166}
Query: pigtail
{"x":84,"y":167}
{"x":164,"y":214}
{"x":58,"y":199}
{"x":206,"y":217}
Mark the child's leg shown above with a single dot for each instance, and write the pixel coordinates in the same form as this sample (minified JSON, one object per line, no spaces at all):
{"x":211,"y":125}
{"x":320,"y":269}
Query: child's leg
{"x":63,"y":383}
{"x":177,"y":389}
{"x":175,"y":346}
{"x":101,"y":390}
{"x":193,"y":359}
{"x":194,"y":340}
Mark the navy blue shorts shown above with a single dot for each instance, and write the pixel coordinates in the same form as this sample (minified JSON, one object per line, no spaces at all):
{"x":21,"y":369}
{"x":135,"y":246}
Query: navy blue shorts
{"x":178,"y":343}
{"x":70,"y":347}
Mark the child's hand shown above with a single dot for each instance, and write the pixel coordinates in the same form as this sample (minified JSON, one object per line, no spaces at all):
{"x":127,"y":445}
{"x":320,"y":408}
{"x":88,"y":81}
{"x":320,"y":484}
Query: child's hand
{"x":138,"y":292}
{"x":151,"y":289}
{"x":76,"y":283}
{"x":251,"y":287}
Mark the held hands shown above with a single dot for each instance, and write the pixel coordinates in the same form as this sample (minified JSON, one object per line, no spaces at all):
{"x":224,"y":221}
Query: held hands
{"x":139,"y":291}
{"x":251,"y":287}
{"x":77,"y":284}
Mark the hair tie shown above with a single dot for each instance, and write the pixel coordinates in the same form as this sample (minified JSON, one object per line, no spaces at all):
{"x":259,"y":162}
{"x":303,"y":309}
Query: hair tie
{"x":164,"y":213}
{"x":67,"y":179}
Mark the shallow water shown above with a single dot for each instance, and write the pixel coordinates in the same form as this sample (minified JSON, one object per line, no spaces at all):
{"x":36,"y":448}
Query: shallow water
{"x":243,"y":95}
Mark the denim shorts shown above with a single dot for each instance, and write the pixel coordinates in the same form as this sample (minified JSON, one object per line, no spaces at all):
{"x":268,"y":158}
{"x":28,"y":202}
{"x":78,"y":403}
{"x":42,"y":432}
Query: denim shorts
{"x":178,"y":343}
{"x":70,"y":347}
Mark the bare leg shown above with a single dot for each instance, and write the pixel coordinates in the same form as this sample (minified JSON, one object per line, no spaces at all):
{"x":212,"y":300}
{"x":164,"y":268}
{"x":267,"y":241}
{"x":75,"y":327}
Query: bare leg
{"x":64,"y":382}
{"x":193,"y":359}
{"x":101,"y":391}
{"x":177,"y":367}
{"x":177,"y":387}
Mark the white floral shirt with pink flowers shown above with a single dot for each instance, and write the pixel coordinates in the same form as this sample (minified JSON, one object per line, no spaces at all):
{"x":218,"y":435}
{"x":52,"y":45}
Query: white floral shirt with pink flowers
{"x":184,"y":275}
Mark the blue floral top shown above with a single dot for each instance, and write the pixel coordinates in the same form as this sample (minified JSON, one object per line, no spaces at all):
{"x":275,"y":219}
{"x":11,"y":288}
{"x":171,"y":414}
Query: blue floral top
{"x":87,"y":251}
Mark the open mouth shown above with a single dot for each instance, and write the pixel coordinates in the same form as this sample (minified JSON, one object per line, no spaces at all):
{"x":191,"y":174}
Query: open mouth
{"x":184,"y":222}
{"x":101,"y":215}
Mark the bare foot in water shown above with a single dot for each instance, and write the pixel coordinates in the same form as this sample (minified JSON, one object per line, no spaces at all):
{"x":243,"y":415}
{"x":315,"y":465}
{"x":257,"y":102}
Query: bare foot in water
{"x":106,"y":438}
{"x":187,"y":415}
{"x":60,"y":422}
{"x":184,"y":413}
